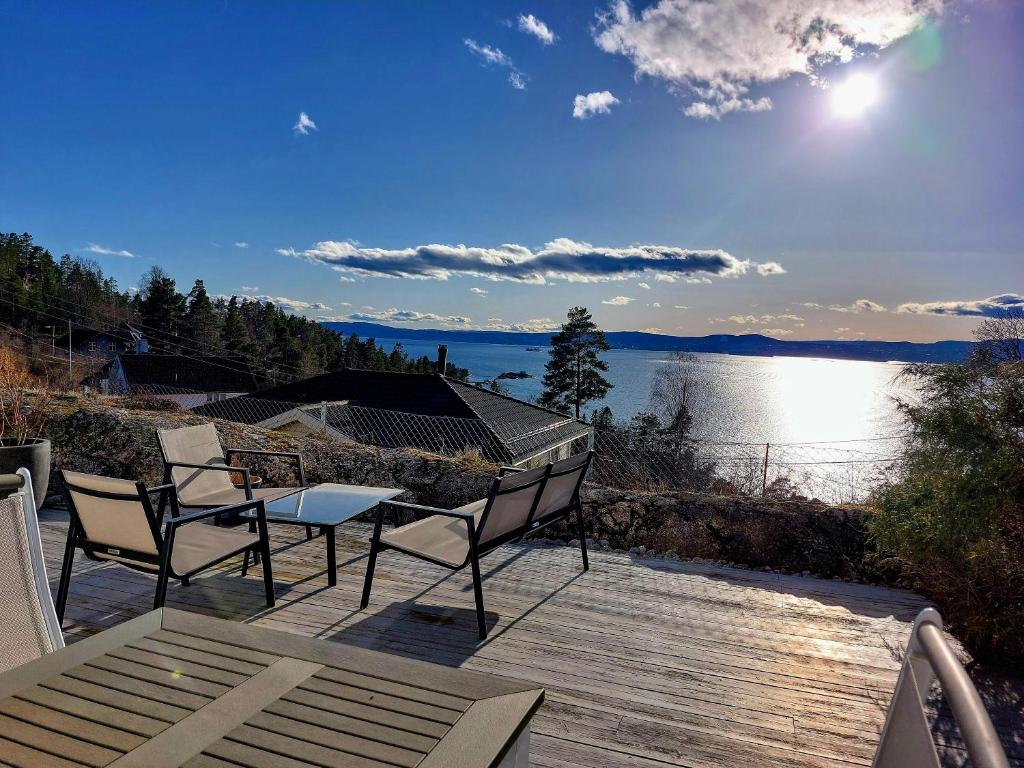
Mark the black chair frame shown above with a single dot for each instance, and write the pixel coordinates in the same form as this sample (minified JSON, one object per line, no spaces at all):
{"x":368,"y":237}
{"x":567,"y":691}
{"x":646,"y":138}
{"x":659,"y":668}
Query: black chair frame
{"x":245,"y":472}
{"x":164,"y":543}
{"x":478,"y":549}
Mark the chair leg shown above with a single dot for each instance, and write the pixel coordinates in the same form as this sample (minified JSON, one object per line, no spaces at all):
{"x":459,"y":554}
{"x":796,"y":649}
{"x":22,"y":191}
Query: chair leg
{"x":161,"y":589}
{"x":268,"y":575}
{"x":582,"y":533}
{"x":184,"y":581}
{"x":245,"y":563}
{"x":309,"y":532}
{"x":64,"y":585}
{"x":478,"y":593}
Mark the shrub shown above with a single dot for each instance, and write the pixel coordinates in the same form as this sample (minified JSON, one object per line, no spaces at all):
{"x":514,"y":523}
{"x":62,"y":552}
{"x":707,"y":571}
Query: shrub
{"x":953,"y":518}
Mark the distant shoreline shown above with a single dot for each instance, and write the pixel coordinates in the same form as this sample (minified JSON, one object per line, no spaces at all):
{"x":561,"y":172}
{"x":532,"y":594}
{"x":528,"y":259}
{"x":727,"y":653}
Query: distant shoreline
{"x":754,"y":345}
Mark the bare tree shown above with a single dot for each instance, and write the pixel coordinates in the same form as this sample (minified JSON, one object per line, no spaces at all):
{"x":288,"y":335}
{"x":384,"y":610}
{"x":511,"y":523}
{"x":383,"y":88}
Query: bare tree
{"x":679,"y":389}
{"x":999,"y":338}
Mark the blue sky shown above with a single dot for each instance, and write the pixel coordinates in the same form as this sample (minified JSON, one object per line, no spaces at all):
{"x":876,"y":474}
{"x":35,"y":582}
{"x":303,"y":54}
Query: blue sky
{"x":172,"y":132}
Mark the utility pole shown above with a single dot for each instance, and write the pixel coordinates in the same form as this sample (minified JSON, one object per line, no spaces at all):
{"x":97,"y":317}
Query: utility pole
{"x":71,"y":374}
{"x":53,"y":339}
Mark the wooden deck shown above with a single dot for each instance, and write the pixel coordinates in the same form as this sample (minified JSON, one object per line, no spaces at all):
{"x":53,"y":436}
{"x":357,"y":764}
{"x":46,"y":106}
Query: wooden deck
{"x":646,"y":662}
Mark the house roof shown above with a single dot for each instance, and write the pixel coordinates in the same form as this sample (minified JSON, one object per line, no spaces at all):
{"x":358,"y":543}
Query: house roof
{"x":187,"y":373}
{"x":124,"y":332}
{"x":512,"y":430}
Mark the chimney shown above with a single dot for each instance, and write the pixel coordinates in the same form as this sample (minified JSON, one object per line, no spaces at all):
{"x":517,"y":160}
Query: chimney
{"x":442,"y":358}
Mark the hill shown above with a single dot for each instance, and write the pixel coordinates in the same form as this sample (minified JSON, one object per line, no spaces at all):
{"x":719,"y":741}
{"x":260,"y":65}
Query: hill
{"x":729,"y":344}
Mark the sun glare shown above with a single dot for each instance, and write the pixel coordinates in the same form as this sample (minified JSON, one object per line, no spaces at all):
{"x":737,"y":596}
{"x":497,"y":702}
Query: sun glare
{"x":855,"y":96}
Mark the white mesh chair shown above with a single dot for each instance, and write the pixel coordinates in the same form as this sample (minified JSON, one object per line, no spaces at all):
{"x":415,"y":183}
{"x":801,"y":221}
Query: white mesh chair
{"x":520,"y":502}
{"x":28,"y":621}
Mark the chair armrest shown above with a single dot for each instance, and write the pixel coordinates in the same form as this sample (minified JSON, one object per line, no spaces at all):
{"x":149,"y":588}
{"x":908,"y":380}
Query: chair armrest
{"x":160,"y":488}
{"x":229,"y":452}
{"x":191,"y":517}
{"x":215,"y":467}
{"x":432,"y":510}
{"x":502,"y":471}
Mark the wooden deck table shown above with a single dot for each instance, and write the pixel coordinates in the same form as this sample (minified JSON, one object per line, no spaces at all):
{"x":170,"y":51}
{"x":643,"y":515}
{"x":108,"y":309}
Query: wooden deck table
{"x":171,"y":688}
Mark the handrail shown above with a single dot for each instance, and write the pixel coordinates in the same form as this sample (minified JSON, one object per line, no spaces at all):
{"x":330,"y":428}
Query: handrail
{"x":968,"y":709}
{"x":906,"y":740}
{"x":10,"y":483}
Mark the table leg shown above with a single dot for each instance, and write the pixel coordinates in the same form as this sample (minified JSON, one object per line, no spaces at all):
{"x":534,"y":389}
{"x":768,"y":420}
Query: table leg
{"x":332,"y":564}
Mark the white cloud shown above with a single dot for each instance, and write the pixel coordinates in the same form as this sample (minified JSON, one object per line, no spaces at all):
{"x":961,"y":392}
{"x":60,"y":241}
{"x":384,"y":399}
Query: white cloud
{"x":652,"y":329}
{"x":857,"y":307}
{"x":811,"y":305}
{"x":562,"y":259}
{"x":304,"y":125}
{"x":531,"y":25}
{"x":536,"y":325}
{"x":993,"y":306}
{"x":664,"y":278}
{"x":492,"y":56}
{"x":596,"y":103}
{"x":618,"y":301}
{"x":680,"y":306}
{"x":241,"y":244}
{"x":656,"y":305}
{"x":478,"y":291}
{"x":283,"y":302}
{"x":703,"y":110}
{"x":394,"y":315}
{"x":770,"y":268}
{"x":776,"y":331}
{"x":250,"y":288}
{"x":645,"y":286}
{"x":93,"y":248}
{"x":720,"y":50}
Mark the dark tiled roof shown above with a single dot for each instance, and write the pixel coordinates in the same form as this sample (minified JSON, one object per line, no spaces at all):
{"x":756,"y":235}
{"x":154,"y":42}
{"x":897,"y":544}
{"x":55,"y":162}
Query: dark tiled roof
{"x":523,"y":428}
{"x":424,"y":393}
{"x":385,"y":408}
{"x":192,"y":374}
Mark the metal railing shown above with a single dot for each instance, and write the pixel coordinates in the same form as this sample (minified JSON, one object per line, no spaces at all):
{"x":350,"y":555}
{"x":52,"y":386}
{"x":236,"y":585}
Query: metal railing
{"x":906,"y":740}
{"x":843,"y":471}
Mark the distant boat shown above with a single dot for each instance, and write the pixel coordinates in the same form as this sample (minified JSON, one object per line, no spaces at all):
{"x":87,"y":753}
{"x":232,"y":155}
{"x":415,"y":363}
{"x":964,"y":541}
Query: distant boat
{"x":533,"y":349}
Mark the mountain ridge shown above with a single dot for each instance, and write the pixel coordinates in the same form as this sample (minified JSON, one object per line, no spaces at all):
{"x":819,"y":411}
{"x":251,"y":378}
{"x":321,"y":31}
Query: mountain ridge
{"x":753,"y":344}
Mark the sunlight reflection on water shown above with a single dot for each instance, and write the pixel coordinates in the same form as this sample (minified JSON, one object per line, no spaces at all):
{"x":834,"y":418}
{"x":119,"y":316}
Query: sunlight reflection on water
{"x":752,"y":399}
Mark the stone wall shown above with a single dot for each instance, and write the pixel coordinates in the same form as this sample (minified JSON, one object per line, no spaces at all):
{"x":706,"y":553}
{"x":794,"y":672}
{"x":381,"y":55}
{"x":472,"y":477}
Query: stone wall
{"x":117,"y":437}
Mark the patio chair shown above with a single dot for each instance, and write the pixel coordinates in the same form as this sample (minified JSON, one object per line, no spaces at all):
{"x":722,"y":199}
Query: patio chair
{"x":200,"y":470}
{"x":520,"y":502}
{"x":28,"y":620}
{"x":114,"y":520}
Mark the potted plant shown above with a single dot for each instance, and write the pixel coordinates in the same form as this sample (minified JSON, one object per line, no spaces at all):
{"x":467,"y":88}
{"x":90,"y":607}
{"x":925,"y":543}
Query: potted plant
{"x":21,"y":426}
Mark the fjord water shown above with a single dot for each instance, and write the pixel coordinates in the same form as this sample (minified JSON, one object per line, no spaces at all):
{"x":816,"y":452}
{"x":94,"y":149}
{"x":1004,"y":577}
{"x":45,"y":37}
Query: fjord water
{"x":751,"y":399}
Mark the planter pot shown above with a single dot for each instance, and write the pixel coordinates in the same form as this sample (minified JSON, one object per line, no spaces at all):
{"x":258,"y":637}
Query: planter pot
{"x":34,"y":455}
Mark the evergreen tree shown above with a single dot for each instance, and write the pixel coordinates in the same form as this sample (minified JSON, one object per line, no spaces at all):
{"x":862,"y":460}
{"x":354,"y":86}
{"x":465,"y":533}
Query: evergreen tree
{"x":573,"y":371}
{"x":202,"y":321}
{"x":162,"y":309}
{"x":234,"y":335}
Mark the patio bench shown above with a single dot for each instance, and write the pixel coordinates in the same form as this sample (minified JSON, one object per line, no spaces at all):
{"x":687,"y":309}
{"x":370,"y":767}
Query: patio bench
{"x":520,"y":502}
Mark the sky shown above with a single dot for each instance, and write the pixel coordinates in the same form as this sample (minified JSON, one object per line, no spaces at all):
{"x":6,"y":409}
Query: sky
{"x":840,"y":169}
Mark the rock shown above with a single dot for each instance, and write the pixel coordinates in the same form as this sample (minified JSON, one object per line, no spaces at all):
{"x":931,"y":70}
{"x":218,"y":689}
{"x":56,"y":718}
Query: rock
{"x":574,"y":543}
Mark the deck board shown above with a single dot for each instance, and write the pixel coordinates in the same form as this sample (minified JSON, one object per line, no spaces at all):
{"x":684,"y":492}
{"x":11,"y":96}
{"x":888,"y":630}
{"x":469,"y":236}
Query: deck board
{"x":646,"y":662}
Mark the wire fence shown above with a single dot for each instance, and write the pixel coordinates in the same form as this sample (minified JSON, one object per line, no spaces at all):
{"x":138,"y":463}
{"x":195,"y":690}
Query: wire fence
{"x":843,"y":471}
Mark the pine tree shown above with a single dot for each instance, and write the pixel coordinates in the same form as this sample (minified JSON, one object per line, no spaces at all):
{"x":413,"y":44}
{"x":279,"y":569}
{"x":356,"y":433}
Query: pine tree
{"x":573,"y":371}
{"x":162,"y":309}
{"x":234,"y":335}
{"x":202,"y":321}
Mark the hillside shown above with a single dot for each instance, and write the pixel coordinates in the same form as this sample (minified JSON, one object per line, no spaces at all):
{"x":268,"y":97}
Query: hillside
{"x":729,"y":344}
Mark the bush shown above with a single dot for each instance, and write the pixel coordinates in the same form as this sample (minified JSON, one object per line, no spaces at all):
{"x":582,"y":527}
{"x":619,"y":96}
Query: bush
{"x":954,"y":517}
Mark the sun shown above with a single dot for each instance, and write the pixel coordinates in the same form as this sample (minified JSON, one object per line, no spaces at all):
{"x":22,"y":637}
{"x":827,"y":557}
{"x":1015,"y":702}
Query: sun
{"x":855,"y":96}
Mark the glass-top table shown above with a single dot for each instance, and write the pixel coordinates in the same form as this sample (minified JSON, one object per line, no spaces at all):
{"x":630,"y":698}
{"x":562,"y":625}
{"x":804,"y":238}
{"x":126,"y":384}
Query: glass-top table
{"x":325,"y":507}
